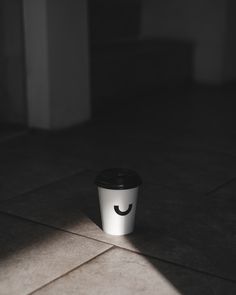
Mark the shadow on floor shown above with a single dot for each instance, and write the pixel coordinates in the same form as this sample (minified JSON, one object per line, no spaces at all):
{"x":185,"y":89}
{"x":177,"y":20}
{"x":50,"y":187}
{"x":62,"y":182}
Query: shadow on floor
{"x":181,"y":155}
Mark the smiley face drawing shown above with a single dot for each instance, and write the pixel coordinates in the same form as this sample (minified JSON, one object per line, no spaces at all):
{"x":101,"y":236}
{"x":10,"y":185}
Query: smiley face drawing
{"x":122,"y":213}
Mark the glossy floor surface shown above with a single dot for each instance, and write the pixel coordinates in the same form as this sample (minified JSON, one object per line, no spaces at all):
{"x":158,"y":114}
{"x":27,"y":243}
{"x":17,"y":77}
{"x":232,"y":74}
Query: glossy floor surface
{"x":182,"y":143}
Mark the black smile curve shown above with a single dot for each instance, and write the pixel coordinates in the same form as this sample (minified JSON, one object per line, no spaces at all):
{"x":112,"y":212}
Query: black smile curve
{"x":122,"y":213}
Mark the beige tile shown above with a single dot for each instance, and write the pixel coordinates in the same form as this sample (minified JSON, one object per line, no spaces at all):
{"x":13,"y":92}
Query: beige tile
{"x":122,"y":272}
{"x":32,"y":255}
{"x":183,"y":227}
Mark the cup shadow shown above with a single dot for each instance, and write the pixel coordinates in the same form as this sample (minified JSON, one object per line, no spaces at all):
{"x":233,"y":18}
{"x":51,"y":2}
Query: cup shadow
{"x":179,"y":243}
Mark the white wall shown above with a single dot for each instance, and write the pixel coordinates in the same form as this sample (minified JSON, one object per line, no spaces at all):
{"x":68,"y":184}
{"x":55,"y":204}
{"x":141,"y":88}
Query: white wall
{"x":57,"y":62}
{"x":201,"y":21}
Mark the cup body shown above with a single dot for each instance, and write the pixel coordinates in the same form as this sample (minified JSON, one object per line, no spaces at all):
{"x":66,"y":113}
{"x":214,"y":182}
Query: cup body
{"x":118,"y":207}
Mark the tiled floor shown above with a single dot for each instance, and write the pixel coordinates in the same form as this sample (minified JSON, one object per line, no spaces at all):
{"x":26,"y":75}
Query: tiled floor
{"x":183,"y":145}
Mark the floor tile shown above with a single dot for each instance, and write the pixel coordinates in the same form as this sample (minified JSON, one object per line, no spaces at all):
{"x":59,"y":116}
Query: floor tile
{"x":183,"y":146}
{"x":197,"y":169}
{"x":122,"y":272}
{"x":38,"y":158}
{"x":187,"y":228}
{"x":32,"y":255}
{"x":176,"y":162}
{"x":9,"y":131}
{"x":227,"y":190}
{"x":5,"y":192}
{"x":224,"y":198}
{"x":30,"y":161}
{"x":181,"y":163}
{"x":58,"y":203}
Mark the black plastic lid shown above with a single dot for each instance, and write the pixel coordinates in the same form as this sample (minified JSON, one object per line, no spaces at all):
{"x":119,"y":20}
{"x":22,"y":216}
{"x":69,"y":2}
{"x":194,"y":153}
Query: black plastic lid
{"x":118,"y":178}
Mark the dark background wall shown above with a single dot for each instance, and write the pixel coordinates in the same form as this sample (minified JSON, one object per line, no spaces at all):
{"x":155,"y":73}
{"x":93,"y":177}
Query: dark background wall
{"x":113,"y":20}
{"x":67,"y":45}
{"x":126,"y":62}
{"x":202,"y":22}
{"x":230,"y":42}
{"x":12,"y":75}
{"x":136,"y":46}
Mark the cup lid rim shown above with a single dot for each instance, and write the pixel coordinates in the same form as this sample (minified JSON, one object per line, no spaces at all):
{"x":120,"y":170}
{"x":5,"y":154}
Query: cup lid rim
{"x":118,"y":179}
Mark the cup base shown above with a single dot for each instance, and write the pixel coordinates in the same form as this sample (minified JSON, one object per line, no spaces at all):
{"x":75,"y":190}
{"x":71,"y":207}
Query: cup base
{"x":118,"y":234}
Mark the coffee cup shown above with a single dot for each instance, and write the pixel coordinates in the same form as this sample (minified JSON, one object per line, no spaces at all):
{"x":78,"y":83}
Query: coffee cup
{"x":118,"y":193}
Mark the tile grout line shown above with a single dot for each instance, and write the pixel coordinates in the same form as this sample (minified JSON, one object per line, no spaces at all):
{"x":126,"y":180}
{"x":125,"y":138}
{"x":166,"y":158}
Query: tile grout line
{"x":52,"y":227}
{"x":36,"y":189}
{"x":71,"y":270}
{"x":126,"y":249}
{"x":220,"y":186}
{"x":189,"y":268}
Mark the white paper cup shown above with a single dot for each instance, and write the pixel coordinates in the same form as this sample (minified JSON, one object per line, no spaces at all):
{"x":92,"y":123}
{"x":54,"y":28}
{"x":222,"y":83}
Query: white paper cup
{"x":118,"y":209}
{"x":118,"y":203}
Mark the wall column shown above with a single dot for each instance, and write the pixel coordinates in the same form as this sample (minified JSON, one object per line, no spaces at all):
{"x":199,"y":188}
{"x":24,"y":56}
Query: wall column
{"x":57,"y":63}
